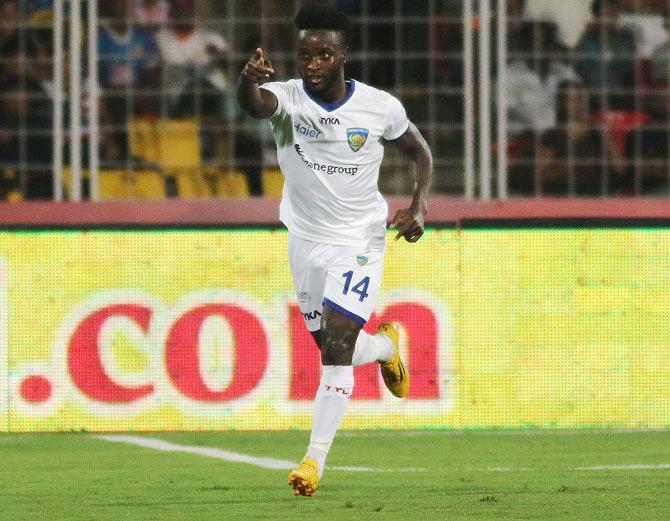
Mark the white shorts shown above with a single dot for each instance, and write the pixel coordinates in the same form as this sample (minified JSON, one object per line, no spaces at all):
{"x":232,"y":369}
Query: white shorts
{"x":345,"y":278}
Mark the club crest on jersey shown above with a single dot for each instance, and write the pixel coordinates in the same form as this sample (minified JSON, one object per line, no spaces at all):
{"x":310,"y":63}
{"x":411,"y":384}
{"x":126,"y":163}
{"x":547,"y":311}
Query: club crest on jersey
{"x":357,"y":138}
{"x":362,"y":260}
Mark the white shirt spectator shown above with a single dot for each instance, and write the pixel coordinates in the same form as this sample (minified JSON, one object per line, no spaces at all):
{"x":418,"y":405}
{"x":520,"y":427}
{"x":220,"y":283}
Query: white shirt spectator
{"x":197,"y":49}
{"x":531,"y":100}
{"x":648,"y":29}
{"x":570,"y":16}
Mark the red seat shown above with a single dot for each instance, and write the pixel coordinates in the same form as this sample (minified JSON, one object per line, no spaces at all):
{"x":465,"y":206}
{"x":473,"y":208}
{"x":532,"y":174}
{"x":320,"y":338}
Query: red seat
{"x":619,"y":124}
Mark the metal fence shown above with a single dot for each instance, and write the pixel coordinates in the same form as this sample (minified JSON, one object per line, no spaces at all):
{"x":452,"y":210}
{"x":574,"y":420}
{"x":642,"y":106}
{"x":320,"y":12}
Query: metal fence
{"x":546,"y":99}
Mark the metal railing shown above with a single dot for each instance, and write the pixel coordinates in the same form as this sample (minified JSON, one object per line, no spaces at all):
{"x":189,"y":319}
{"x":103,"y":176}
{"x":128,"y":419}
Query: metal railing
{"x":510,"y":101}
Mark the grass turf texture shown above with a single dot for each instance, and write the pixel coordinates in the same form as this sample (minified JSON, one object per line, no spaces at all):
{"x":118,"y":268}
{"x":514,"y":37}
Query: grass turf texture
{"x":78,"y":477}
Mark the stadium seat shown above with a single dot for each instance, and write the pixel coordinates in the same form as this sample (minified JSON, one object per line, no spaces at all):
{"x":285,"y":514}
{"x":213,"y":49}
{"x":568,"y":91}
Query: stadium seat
{"x":114,"y":184}
{"x":178,"y":144}
{"x":149,"y":184}
{"x":232,"y":184}
{"x":273,"y":183}
{"x":179,"y":155}
{"x":14,"y":196}
{"x":143,"y":139}
{"x":619,"y":124}
{"x":190,"y":184}
{"x":124,"y":184}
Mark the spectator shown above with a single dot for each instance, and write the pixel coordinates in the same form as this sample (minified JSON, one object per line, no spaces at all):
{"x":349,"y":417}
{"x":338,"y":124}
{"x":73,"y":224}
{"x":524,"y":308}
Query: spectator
{"x":23,"y":51}
{"x":151,"y":14}
{"x":647,"y":24}
{"x":570,"y":16}
{"x":25,"y":141}
{"x":193,"y":64}
{"x":126,"y":55}
{"x":127,"y":59}
{"x":192,"y":59}
{"x":660,"y":59}
{"x":9,"y":20}
{"x":605,"y":58}
{"x":648,"y":150}
{"x":574,"y":157}
{"x":533,"y":77}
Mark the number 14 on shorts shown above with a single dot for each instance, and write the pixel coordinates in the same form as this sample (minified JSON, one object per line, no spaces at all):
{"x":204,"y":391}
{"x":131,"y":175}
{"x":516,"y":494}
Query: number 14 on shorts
{"x":360,"y":288}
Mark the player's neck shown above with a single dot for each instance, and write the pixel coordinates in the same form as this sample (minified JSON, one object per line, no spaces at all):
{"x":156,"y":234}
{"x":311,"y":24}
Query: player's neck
{"x":339,"y":91}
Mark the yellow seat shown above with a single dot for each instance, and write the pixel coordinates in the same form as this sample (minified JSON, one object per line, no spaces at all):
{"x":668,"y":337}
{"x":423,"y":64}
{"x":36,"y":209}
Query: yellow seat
{"x":124,"y":184}
{"x":273,"y":183}
{"x":14,"y":196}
{"x":114,"y":184}
{"x":143,"y":139}
{"x":232,"y":184}
{"x":178,"y":144}
{"x":179,"y":155}
{"x":190,"y":184}
{"x":149,"y":184}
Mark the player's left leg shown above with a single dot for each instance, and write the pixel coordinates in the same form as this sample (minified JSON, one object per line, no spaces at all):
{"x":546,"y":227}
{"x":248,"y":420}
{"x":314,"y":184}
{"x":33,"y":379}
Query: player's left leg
{"x":338,"y":341}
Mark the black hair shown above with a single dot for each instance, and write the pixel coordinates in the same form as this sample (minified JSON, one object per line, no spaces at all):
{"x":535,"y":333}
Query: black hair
{"x":322,"y":16}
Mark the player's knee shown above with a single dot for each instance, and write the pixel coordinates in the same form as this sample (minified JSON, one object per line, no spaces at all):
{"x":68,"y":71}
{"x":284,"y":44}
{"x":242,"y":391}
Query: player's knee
{"x":337,"y":347}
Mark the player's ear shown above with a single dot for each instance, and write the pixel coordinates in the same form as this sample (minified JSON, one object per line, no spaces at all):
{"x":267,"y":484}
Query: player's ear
{"x":345,"y":54}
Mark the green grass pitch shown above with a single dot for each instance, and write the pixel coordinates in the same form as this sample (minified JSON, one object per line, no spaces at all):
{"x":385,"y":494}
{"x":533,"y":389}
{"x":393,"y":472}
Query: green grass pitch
{"x":451,"y":475}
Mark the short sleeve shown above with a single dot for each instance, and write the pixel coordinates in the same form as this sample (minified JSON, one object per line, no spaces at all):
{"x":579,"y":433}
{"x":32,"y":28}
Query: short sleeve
{"x":397,"y":122}
{"x":280,"y":90}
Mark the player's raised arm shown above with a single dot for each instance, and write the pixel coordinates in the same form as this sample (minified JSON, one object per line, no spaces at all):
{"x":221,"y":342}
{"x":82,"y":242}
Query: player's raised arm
{"x":258,"y":103}
{"x":410,"y":221}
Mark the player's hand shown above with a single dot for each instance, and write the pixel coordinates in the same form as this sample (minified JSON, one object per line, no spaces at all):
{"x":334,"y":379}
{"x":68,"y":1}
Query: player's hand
{"x":409,"y":225}
{"x":258,"y":69}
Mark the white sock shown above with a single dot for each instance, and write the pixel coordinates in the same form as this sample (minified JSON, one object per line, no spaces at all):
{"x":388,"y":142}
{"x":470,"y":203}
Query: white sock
{"x":330,"y":404}
{"x":372,"y":348}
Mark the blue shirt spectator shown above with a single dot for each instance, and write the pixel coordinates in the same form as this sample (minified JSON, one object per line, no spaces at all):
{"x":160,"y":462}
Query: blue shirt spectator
{"x":124,"y":58}
{"x":125,"y":53}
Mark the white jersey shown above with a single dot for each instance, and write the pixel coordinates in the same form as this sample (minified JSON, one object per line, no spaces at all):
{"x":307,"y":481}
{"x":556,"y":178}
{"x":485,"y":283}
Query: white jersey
{"x":330,"y":156}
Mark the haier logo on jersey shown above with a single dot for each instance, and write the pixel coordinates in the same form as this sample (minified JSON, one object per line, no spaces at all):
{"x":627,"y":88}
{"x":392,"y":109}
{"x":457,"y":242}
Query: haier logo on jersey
{"x":307,"y":131}
{"x":330,"y":121}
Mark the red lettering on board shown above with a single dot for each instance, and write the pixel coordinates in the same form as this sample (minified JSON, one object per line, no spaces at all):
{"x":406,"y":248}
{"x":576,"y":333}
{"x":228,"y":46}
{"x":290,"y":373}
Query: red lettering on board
{"x":84,"y":357}
{"x":182,"y":355}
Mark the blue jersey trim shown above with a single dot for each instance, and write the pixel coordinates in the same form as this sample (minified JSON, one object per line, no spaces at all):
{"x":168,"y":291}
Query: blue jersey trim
{"x":340,"y":309}
{"x":330,"y":107}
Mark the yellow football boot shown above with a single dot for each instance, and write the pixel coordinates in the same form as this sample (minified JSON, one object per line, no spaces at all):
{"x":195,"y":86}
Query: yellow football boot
{"x":305,"y":479}
{"x":396,"y":376}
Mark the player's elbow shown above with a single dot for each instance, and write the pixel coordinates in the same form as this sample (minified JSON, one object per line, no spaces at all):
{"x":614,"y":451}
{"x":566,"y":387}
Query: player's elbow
{"x":253,"y":108}
{"x":255,"y":112}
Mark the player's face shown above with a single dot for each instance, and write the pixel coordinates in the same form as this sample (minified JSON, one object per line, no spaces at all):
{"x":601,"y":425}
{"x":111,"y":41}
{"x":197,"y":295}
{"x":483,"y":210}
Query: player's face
{"x":321,"y":58}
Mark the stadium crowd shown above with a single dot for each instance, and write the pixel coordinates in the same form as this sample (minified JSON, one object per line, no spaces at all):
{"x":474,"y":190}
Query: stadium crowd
{"x":586,"y":84}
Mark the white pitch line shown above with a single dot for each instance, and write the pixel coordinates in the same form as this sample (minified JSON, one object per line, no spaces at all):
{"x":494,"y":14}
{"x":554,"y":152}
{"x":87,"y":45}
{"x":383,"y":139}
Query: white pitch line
{"x":226,"y":455}
{"x":499,"y":432}
{"x":277,"y":464}
{"x":626,"y":467}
